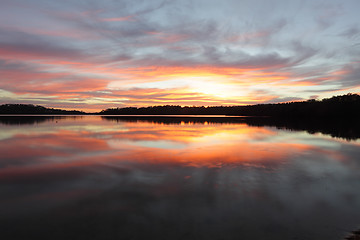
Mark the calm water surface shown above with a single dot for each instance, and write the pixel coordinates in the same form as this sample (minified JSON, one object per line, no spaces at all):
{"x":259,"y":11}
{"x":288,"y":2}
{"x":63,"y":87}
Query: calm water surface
{"x":95,"y":177}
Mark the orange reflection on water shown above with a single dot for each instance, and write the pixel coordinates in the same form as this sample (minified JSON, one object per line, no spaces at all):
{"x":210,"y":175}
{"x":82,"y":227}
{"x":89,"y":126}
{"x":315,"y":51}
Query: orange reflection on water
{"x":213,"y":155}
{"x":188,"y":132}
{"x":126,"y":143}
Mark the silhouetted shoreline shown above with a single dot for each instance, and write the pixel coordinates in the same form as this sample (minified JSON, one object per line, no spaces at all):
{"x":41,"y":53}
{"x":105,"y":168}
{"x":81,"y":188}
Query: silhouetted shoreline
{"x":35,"y":110}
{"x":345,"y":106}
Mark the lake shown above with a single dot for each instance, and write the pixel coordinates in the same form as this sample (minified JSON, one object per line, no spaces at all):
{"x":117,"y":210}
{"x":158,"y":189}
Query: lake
{"x":97,"y":177}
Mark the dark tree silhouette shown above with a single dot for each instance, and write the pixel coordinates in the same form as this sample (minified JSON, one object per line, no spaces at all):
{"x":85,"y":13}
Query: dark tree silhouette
{"x":33,"y":109}
{"x":344,"y":106}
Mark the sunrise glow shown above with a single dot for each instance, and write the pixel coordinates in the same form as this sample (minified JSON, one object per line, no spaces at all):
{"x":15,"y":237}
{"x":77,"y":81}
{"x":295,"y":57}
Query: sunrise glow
{"x":87,"y":56}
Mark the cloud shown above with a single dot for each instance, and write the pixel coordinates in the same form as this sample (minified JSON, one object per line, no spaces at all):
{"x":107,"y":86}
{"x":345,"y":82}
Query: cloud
{"x":285,"y":99}
{"x":73,"y":50}
{"x":15,"y":45}
{"x":349,"y":76}
{"x":351,"y":32}
{"x":118,"y":19}
{"x":31,"y":79}
{"x":328,"y":12}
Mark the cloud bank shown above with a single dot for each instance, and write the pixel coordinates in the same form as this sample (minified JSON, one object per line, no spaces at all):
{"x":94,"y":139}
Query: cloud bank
{"x":91,"y":55}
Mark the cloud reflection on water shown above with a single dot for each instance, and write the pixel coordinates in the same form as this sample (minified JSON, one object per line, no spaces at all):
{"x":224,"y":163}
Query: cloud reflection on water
{"x":96,"y":179}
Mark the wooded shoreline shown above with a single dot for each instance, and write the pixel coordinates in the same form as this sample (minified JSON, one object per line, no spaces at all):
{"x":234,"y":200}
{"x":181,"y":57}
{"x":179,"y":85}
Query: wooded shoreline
{"x":345,"y":106}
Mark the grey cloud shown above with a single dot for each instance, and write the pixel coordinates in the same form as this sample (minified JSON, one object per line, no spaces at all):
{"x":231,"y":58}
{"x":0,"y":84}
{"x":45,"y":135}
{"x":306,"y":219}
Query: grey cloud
{"x":21,"y":42}
{"x":284,"y":99}
{"x":6,"y":65}
{"x":302,"y":52}
{"x":264,"y":60}
{"x":211,"y":57}
{"x":132,"y":41}
{"x":327,"y":14}
{"x":352,"y":78}
{"x":351,"y":32}
{"x":314,"y":96}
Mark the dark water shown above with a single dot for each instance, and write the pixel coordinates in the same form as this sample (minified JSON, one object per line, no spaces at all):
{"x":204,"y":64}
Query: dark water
{"x":95,"y":177}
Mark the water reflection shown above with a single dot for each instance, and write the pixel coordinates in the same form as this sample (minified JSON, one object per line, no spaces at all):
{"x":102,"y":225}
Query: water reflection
{"x":348,"y":129}
{"x":89,"y":178}
{"x":20,"y":120}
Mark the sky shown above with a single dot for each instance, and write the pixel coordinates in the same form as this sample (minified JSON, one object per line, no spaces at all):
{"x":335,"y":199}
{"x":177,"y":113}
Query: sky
{"x":91,"y":55}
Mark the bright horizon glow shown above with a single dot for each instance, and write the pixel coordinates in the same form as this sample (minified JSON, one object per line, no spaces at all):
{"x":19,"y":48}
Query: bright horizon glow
{"x":91,"y":56}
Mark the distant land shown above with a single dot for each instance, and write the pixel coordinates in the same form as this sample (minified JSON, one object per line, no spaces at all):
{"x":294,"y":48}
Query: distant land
{"x":34,"y":109}
{"x":344,"y":106}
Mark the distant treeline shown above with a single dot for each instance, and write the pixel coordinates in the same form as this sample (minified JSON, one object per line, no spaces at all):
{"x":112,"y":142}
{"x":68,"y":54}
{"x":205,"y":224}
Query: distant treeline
{"x":339,"y":106}
{"x":34,"y":109}
{"x":336,"y":107}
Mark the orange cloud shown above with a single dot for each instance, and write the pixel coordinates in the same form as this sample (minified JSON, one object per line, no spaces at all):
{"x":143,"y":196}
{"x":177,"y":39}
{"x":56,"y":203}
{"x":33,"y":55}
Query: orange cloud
{"x":69,"y":77}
